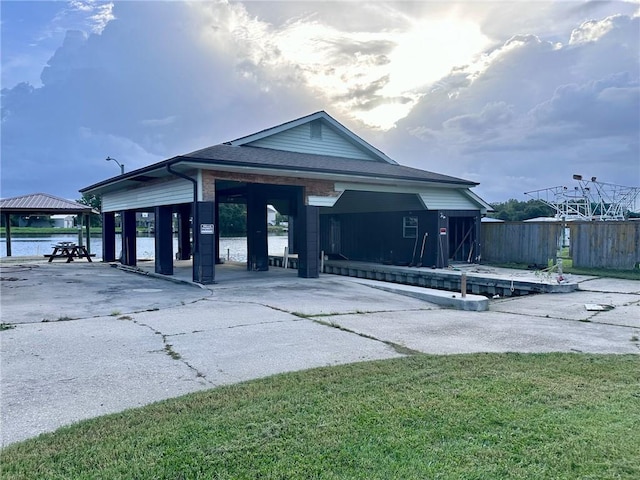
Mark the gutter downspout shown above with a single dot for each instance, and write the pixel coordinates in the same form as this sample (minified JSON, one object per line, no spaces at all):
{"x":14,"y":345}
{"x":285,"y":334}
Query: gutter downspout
{"x":194,"y":213}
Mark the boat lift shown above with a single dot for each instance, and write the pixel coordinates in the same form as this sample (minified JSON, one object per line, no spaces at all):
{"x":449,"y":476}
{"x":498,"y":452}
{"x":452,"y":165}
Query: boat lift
{"x":589,"y":200}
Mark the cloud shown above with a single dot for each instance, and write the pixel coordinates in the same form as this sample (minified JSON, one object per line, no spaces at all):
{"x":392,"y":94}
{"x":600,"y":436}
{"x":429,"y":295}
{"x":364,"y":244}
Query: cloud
{"x":599,"y":108}
{"x":492,"y":117}
{"x":498,"y":93}
{"x":550,"y":109}
{"x":138,"y":92}
{"x":338,"y":59}
{"x":90,"y":13}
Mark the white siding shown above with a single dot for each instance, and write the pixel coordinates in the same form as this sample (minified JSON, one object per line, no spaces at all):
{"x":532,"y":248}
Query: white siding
{"x":149,"y":195}
{"x":447,"y":199}
{"x":299,"y":140}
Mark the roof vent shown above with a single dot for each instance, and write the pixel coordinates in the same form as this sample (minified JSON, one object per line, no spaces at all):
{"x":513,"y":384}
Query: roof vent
{"x":316,"y":130}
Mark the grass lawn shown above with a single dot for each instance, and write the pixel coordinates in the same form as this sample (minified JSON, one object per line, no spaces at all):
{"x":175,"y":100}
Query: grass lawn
{"x":481,"y":416}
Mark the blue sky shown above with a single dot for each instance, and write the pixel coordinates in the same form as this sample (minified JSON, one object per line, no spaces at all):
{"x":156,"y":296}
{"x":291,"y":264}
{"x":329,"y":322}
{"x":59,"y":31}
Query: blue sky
{"x":517,"y":96}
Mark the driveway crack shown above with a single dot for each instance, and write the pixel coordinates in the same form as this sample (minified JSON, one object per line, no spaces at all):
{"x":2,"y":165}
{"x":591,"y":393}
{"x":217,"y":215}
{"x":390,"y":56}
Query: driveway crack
{"x":175,"y":355}
{"x":399,"y":348}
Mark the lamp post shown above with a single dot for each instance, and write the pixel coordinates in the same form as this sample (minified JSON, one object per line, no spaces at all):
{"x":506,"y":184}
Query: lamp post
{"x":121,"y":164}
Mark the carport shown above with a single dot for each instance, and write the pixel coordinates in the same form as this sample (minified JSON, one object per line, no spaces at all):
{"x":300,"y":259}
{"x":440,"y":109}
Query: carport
{"x":340,"y":193}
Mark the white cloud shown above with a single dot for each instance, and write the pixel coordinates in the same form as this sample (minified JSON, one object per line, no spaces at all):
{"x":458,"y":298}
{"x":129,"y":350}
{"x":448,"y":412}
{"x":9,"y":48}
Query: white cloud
{"x":530,"y":105}
{"x":499,"y":93}
{"x":593,"y":30}
{"x":159,"y":122}
{"x":91,"y":15}
{"x":373,"y":75}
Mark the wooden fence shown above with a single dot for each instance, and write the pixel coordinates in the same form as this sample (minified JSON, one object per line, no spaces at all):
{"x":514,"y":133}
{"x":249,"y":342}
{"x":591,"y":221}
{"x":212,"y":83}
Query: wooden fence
{"x":614,"y":245}
{"x":520,"y":242}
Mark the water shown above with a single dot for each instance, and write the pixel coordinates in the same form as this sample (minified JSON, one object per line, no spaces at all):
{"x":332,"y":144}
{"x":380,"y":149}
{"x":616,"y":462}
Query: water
{"x":231,"y":248}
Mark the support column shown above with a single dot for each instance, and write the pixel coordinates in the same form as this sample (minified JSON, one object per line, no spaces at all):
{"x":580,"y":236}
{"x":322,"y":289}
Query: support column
{"x":128,"y":218}
{"x":108,"y":237}
{"x":291,"y":234}
{"x":88,"y":224}
{"x":164,"y":240}
{"x":257,"y":242}
{"x":204,"y":252}
{"x":307,"y":225}
{"x":80,"y":222}
{"x":184,"y":235}
{"x":7,"y":225}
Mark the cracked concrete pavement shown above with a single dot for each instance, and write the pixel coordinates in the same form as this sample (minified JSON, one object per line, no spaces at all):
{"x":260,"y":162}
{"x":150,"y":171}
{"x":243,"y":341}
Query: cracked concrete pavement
{"x":88,"y":339}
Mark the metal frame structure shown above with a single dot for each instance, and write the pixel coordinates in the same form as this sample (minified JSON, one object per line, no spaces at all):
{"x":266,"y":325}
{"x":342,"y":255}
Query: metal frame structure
{"x":589,"y":200}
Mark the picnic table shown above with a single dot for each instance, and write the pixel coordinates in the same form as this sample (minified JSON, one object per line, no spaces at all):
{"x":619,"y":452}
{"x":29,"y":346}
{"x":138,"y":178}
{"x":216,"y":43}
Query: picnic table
{"x":69,"y":250}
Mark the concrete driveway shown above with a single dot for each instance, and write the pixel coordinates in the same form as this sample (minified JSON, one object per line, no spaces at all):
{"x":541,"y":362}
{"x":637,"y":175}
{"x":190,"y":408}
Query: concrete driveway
{"x":82,"y":340}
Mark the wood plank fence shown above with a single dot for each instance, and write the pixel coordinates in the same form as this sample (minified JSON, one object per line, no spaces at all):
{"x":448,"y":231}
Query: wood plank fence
{"x":519,"y":242}
{"x":614,"y":245}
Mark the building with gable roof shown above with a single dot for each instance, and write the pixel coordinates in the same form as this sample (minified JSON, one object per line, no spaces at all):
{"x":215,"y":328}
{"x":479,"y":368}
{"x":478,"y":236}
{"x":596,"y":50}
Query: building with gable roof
{"x":342,"y":195}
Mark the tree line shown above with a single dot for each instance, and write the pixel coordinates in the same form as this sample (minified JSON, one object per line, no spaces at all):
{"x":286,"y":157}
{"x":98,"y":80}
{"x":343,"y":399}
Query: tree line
{"x":516,"y":211}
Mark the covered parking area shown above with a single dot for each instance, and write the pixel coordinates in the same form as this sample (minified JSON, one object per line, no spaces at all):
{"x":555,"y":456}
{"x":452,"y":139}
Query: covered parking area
{"x":44,"y":204}
{"x":341,"y":195}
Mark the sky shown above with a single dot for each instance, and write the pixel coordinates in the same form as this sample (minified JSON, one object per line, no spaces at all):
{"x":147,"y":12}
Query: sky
{"x":516,"y":96}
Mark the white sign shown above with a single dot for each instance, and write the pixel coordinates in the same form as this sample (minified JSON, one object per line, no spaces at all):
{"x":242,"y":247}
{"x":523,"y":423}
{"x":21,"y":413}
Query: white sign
{"x":206,"y":228}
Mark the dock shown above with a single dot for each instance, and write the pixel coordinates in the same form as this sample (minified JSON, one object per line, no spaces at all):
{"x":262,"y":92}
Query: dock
{"x":481,"y":280}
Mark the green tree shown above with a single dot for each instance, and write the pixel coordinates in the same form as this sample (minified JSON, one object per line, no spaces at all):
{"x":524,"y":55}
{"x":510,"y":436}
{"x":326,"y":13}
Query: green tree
{"x":515,"y":211}
{"x":95,"y":202}
{"x":232,"y":219}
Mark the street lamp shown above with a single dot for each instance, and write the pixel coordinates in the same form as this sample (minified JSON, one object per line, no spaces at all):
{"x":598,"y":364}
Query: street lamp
{"x":121,"y":164}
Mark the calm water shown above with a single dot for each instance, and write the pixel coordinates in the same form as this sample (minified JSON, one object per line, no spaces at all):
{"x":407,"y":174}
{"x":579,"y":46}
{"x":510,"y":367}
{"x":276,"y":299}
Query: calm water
{"x":234,"y":248}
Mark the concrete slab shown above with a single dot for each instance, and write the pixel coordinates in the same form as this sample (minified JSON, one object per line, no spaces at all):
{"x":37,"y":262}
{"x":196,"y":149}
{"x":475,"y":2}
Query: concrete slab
{"x":452,"y":332}
{"x":54,"y":374}
{"x":329,"y":294}
{"x":475,"y":303}
{"x":251,"y":351}
{"x":610,"y":285}
{"x":168,"y":339}
{"x":48,"y":292}
{"x":625,"y":315}
{"x":480,"y":279}
{"x":567,"y":306}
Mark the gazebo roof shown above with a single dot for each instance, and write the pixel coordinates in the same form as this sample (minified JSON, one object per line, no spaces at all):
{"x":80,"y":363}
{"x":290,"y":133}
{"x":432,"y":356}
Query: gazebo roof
{"x":42,"y":203}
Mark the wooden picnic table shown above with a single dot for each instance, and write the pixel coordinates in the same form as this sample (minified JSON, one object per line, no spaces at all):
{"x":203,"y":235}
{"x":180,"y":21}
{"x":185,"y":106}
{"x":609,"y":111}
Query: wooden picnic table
{"x":69,"y":250}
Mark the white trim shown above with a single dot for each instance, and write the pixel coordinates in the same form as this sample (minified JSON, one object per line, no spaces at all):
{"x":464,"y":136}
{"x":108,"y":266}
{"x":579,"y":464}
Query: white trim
{"x":451,"y":200}
{"x":200,"y":185}
{"x":486,"y":207}
{"x":318,"y":201}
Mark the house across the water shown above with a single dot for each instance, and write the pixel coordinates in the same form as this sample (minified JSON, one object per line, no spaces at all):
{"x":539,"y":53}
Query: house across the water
{"x":342,"y":197}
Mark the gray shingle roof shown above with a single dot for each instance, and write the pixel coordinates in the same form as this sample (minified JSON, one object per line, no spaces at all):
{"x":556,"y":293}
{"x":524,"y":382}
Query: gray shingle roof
{"x":43,"y":203}
{"x":304,"y":162}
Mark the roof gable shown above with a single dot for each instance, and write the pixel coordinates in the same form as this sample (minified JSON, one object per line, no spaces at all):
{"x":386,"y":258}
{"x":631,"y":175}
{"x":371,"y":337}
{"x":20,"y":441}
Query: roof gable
{"x":319,"y":134}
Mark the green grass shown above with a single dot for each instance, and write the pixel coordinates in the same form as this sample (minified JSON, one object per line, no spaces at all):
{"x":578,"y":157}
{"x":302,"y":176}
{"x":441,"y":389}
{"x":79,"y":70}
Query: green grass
{"x":483,"y":416}
{"x":604,"y":272}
